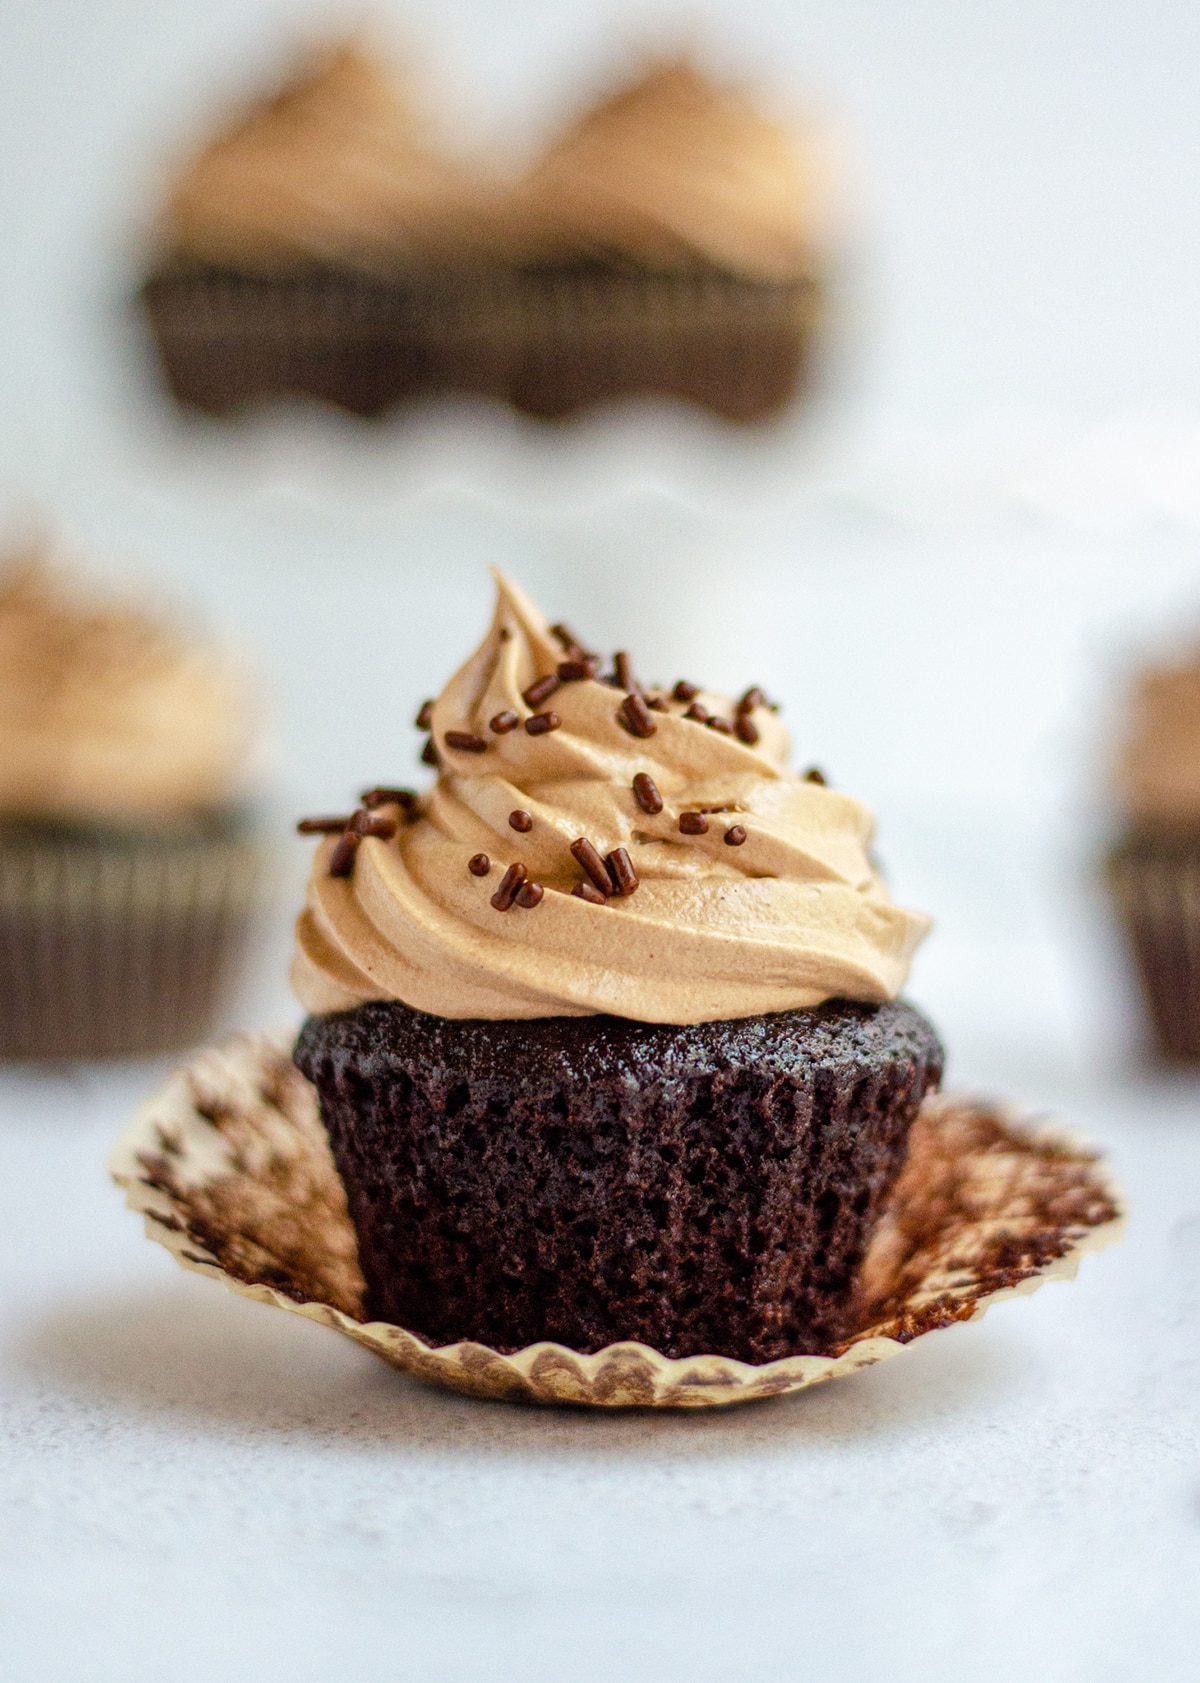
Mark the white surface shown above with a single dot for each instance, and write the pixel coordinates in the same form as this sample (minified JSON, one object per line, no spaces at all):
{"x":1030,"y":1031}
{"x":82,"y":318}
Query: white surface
{"x":942,"y":575}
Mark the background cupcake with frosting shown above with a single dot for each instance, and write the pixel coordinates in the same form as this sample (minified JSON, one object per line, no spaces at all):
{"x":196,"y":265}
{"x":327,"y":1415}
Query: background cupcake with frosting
{"x":130,"y":872}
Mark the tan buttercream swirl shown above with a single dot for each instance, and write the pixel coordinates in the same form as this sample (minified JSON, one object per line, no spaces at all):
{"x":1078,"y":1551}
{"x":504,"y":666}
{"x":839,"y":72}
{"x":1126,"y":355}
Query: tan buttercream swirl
{"x":106,"y":715}
{"x":1158,"y":764}
{"x":793,"y":916}
{"x":334,"y":168}
{"x":670,"y":171}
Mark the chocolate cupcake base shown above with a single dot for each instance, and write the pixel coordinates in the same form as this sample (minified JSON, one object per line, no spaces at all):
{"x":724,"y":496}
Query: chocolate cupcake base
{"x":117,"y":944}
{"x":549,"y":342}
{"x":231,"y":1169}
{"x":590,"y":1179}
{"x":1155,"y":881}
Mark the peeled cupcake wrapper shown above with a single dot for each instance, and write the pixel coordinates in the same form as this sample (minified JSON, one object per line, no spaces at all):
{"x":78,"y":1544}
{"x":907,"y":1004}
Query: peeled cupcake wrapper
{"x":230,"y":1167}
{"x":121,"y":948}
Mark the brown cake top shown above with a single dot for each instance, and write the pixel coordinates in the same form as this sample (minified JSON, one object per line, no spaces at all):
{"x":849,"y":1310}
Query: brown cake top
{"x":1158,"y":762}
{"x":595,"y":845}
{"x":106,"y":713}
{"x":671,"y":171}
{"x":335,"y":167}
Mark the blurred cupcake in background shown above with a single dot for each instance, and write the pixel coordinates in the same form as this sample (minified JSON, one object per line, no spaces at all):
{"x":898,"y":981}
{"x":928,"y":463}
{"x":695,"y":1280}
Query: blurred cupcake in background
{"x":1154,"y":869}
{"x":129,"y":872}
{"x":323,"y":245}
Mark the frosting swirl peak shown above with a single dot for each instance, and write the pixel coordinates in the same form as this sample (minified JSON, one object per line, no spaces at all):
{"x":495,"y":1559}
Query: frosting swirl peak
{"x":717,"y":928}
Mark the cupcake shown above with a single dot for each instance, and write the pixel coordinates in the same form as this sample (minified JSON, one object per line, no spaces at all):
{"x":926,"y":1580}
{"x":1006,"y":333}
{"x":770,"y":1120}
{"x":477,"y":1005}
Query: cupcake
{"x":1154,"y":867}
{"x":321,"y":245}
{"x":605,"y":1028}
{"x":128,"y":870}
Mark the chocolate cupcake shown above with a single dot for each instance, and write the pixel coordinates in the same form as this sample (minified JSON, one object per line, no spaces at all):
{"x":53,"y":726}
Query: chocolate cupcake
{"x":1153,"y":868}
{"x":322,"y":245}
{"x":129,"y":872}
{"x":605,"y":1028}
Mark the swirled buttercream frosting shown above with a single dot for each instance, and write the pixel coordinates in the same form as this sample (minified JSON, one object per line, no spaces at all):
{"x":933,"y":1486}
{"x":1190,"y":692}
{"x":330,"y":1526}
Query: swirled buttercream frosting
{"x":106,"y":714}
{"x":590,"y":846}
{"x":333,"y":168}
{"x":673,"y":171}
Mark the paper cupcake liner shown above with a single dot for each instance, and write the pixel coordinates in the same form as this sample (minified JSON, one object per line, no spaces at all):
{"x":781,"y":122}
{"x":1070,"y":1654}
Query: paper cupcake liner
{"x":231,"y":1169}
{"x":548,"y":342}
{"x":119,"y":947}
{"x":1156,"y":887}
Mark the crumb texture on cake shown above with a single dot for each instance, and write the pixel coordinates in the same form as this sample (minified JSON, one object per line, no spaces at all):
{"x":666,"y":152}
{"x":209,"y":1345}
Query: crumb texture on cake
{"x":708,"y":1188}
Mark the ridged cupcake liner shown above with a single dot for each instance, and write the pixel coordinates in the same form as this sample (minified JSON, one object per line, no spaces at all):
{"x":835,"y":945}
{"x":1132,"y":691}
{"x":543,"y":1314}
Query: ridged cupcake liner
{"x":231,"y":1169}
{"x":548,"y":342}
{"x":116,"y":946}
{"x":1155,"y":882}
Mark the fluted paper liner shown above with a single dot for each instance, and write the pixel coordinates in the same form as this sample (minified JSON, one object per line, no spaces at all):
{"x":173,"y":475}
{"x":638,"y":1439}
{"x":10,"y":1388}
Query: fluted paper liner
{"x":1155,"y":883}
{"x":231,"y":1169}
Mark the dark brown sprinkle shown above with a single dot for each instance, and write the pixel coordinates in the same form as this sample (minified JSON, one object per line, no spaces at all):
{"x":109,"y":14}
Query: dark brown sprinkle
{"x":465,"y":741}
{"x":424,"y":719}
{"x":635,"y":716}
{"x":321,"y":826}
{"x":531,"y":895}
{"x":567,"y":638}
{"x":479,"y":864}
{"x":645,"y":792}
{"x":747,"y":730}
{"x":509,"y":887}
{"x":540,"y":690}
{"x":592,"y":863}
{"x":727,"y":807}
{"x":753,"y":698}
{"x":735,"y":835}
{"x":658,"y":703}
{"x":502,"y":723}
{"x":589,"y":892}
{"x":814,"y":775}
{"x":519,"y":819}
{"x":365,"y":823}
{"x":577,"y":668}
{"x":699,"y":712}
{"x":684,"y":691}
{"x":505,"y":634}
{"x":723,"y":726}
{"x":692,"y":824}
{"x":537,"y":724}
{"x":429,"y":754}
{"x":620,"y":869}
{"x":623,"y":670}
{"x":341,"y":860}
{"x":372,"y":798}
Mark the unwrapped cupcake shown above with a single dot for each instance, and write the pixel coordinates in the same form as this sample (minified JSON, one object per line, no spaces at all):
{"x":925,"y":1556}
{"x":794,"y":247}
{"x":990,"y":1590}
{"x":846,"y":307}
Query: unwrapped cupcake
{"x":130,"y":875}
{"x":1154,"y":868}
{"x":324,"y":244}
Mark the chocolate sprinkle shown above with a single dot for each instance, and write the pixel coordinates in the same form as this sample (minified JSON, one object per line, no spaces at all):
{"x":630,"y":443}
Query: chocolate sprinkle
{"x":735,"y":835}
{"x":530,"y":895}
{"x":479,"y":864}
{"x":537,"y":724}
{"x":623,"y":671}
{"x":753,"y":698}
{"x":747,"y":730}
{"x":363,"y":823}
{"x":699,"y":712}
{"x":684,"y":691}
{"x":645,"y":791}
{"x":592,"y":863}
{"x":341,"y":860}
{"x":620,"y":868}
{"x":589,"y":892}
{"x":510,"y":885}
{"x":635,"y":716}
{"x":429,"y":754}
{"x":519,"y":819}
{"x":465,"y":741}
{"x":692,"y":824}
{"x":577,"y":668}
{"x":424,"y":719}
{"x":814,"y":775}
{"x":568,"y":639}
{"x":724,"y":726}
{"x":321,"y":826}
{"x":540,"y":690}
{"x":658,"y":703}
{"x":372,"y":798}
{"x":502,"y":723}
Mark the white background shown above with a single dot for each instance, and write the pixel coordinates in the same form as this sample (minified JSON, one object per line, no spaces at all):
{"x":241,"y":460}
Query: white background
{"x":945,"y":569}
